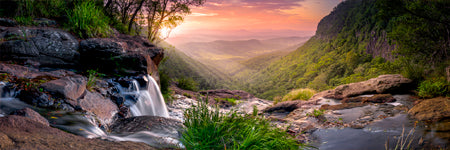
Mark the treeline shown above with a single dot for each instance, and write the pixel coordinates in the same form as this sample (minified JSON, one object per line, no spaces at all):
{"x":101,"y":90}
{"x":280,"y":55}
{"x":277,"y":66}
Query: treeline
{"x":97,"y":18}
{"x":362,"y":39}
{"x":188,"y":73}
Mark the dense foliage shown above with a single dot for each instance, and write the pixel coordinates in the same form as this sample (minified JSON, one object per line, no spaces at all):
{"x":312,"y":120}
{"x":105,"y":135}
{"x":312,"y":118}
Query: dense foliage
{"x":209,"y":129}
{"x":88,"y":20}
{"x":178,"y":65}
{"x":362,"y":39}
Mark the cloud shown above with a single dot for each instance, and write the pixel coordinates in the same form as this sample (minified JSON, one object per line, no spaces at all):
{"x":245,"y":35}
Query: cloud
{"x":203,"y":14}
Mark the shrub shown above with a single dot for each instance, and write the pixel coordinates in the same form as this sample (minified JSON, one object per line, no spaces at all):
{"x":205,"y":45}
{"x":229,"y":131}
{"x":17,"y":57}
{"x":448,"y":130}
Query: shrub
{"x":299,"y":94}
{"x":316,"y":113}
{"x":187,"y":84}
{"x":434,"y":88}
{"x":208,"y":129}
{"x":87,"y":20}
{"x":93,"y":75}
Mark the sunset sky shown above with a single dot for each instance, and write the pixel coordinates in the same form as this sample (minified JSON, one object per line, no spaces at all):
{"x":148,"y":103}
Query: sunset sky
{"x":246,"y":17}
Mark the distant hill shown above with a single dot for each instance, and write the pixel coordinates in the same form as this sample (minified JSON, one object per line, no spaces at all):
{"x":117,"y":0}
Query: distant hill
{"x":228,"y":55}
{"x":360,"y":39}
{"x":176,"y":65}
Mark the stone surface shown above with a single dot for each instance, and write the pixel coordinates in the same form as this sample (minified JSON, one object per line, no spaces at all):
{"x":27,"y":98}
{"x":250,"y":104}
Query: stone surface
{"x":147,"y":123}
{"x":286,"y":106}
{"x":156,"y":131}
{"x":7,"y":22}
{"x":33,"y":115}
{"x":391,"y":83}
{"x":39,"y":47}
{"x":432,"y":109}
{"x":17,"y":132}
{"x":122,"y":54}
{"x":103,"y":108}
{"x":68,"y":87}
{"x":377,"y":98}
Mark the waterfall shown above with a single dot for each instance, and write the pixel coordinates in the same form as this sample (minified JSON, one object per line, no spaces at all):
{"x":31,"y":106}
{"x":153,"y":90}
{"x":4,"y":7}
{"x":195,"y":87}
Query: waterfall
{"x":150,"y":101}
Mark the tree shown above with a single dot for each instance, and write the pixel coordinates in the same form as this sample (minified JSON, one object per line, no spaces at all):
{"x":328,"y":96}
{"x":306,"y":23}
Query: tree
{"x":166,"y":14}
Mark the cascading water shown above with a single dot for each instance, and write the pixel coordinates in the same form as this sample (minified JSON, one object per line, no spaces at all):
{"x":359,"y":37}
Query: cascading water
{"x":150,"y":101}
{"x":147,"y":101}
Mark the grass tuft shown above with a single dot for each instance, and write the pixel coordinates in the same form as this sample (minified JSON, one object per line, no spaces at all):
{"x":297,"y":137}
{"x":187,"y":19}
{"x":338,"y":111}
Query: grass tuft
{"x":209,"y":129}
{"x":299,"y":94}
{"x":87,"y":20}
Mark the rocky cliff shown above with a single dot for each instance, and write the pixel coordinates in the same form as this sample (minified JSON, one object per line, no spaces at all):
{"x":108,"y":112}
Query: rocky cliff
{"x":50,"y":70}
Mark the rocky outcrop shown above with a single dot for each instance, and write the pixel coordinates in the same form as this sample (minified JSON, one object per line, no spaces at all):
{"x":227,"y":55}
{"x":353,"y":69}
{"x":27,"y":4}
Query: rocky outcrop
{"x":17,"y":132}
{"x":40,"y":47}
{"x":378,"y":98}
{"x":394,"y":83}
{"x":103,"y":108}
{"x":7,"y":22}
{"x":435,"y":109}
{"x":121,"y":55}
{"x":70,"y":88}
{"x":33,"y":115}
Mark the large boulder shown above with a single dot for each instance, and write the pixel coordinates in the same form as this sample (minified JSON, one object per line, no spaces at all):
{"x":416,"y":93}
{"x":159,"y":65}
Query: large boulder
{"x":103,"y":108}
{"x":434,"y":109}
{"x":391,"y":83}
{"x":68,"y":87}
{"x":125,"y":55}
{"x":40,"y":47}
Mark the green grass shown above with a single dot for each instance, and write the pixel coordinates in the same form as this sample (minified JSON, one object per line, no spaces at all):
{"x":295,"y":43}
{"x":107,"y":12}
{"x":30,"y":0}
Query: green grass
{"x":299,"y":94}
{"x":187,"y":84}
{"x":433,"y":88}
{"x":87,"y":20}
{"x":233,"y":101}
{"x":316,"y":113}
{"x":209,"y":129}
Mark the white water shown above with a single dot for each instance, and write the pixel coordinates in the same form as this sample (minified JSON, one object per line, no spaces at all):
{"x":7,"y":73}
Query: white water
{"x":150,"y":101}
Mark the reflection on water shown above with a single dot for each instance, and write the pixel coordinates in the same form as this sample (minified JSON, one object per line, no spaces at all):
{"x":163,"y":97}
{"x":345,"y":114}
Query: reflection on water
{"x":377,"y":134}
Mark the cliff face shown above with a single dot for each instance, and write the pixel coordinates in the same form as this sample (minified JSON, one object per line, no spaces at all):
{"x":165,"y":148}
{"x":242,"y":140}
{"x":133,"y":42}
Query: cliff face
{"x":358,"y":19}
{"x":351,"y":44}
{"x":49,"y":68}
{"x":54,"y":48}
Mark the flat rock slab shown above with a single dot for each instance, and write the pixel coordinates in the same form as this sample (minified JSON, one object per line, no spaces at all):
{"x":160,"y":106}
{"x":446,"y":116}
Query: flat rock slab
{"x":390,"y":83}
{"x":30,"y":113}
{"x":432,"y":109}
{"x":17,"y":132}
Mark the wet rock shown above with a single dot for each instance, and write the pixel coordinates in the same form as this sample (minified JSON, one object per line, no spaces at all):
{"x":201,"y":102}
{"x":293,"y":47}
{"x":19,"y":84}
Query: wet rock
{"x":125,"y":55}
{"x":377,"y":98}
{"x":286,"y":106}
{"x":391,"y":83}
{"x":33,"y":115}
{"x":29,"y":134}
{"x":36,"y":98}
{"x":147,"y":123}
{"x":431,"y":109}
{"x":44,"y":22}
{"x":7,"y":22}
{"x":158,"y":131}
{"x":103,"y":108}
{"x":247,"y":106}
{"x":68,"y":87}
{"x":342,"y":106}
{"x":5,"y":141}
{"x":39,"y":47}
